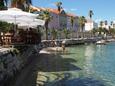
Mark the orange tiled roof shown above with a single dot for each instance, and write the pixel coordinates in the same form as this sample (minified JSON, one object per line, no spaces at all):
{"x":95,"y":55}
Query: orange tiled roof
{"x":71,"y":15}
{"x":51,"y":10}
{"x":57,"y":12}
{"x":36,"y":8}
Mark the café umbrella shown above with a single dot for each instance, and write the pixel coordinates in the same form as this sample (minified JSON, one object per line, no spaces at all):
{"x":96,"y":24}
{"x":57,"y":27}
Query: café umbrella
{"x":19,"y":17}
{"x":33,"y":23}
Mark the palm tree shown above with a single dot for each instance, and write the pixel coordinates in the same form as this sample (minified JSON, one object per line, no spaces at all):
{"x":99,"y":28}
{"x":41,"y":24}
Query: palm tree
{"x":111,"y":23}
{"x":100,"y":29}
{"x":72,"y":22}
{"x":66,"y":32}
{"x":90,"y":14}
{"x":82,"y":22}
{"x":54,"y":34}
{"x":106,"y":22}
{"x":47,"y":17}
{"x":101,"y":24}
{"x":112,"y":32}
{"x":58,"y":4}
{"x":3,"y":4}
{"x":94,"y":31}
{"x":105,"y":29}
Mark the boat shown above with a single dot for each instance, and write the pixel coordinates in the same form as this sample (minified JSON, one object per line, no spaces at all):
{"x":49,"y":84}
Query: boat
{"x":101,"y":42}
{"x":111,"y":40}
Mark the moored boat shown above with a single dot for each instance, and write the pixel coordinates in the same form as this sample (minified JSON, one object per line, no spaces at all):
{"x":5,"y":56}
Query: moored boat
{"x":101,"y":42}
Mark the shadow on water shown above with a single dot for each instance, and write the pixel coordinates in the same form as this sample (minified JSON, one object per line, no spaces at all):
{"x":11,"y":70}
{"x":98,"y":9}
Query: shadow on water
{"x":43,"y":63}
{"x":66,"y":53}
{"x":63,"y":53}
{"x":55,"y":63}
{"x":77,"y":82}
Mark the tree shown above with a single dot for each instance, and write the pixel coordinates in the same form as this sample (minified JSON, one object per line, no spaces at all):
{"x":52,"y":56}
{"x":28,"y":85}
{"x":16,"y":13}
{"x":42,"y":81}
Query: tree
{"x":105,"y":29}
{"x":4,"y":26}
{"x":90,"y":14}
{"x":72,"y":22}
{"x":54,"y":33}
{"x":66,"y":32}
{"x":58,"y":4}
{"x":111,"y":23}
{"x":106,"y":22}
{"x":3,"y":4}
{"x":94,"y":31}
{"x":101,"y":24}
{"x":47,"y":17}
{"x":82,"y":22}
{"x":112,"y":32}
{"x":100,"y":30}
{"x":21,"y":4}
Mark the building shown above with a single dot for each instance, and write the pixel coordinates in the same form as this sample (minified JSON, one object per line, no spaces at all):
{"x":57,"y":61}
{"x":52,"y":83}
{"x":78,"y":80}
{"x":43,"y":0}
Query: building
{"x":90,"y":24}
{"x":112,"y":25}
{"x":104,"y":24}
{"x":60,"y":20}
{"x":75,"y":22}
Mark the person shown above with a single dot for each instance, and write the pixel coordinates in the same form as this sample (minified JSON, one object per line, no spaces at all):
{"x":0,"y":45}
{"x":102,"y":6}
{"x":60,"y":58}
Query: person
{"x":55,"y":43}
{"x":63,"y":46}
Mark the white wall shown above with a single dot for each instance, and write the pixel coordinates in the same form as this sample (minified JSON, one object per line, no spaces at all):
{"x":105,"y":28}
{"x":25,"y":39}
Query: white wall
{"x":90,"y":25}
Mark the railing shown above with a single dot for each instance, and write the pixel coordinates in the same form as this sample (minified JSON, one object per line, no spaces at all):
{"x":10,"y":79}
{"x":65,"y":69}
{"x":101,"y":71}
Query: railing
{"x":25,"y":39}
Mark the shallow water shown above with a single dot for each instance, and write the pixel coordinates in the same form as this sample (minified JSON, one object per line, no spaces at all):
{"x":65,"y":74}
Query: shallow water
{"x":86,"y":65}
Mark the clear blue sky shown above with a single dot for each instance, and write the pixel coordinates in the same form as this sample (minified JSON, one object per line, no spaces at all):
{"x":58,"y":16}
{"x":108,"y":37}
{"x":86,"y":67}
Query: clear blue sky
{"x":103,"y":9}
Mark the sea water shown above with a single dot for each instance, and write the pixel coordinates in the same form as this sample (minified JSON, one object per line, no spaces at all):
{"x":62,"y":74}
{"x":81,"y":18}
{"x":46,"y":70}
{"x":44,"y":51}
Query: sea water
{"x":85,"y":65}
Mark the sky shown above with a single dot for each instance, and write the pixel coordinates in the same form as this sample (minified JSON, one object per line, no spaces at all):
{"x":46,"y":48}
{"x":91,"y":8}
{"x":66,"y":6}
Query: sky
{"x":102,"y":9}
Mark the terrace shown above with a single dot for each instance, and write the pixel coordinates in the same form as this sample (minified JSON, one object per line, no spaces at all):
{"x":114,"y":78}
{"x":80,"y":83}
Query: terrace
{"x":22,"y":37}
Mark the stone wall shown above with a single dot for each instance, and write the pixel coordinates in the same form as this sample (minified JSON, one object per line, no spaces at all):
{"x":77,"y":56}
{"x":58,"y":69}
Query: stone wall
{"x":11,"y":63}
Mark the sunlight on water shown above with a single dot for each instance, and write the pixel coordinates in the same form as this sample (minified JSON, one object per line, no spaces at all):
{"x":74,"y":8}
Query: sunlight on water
{"x":85,"y":65}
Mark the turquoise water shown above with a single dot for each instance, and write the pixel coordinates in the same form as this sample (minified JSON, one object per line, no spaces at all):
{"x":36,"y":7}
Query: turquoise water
{"x":89,"y":65}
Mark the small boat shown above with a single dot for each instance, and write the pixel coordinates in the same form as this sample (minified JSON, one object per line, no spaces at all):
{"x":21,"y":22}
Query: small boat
{"x":101,"y":42}
{"x":111,"y":40}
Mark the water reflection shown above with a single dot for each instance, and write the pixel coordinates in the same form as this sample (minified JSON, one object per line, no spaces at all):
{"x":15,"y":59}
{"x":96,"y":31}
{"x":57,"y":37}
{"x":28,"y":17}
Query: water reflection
{"x":89,"y":65}
{"x":89,"y":54}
